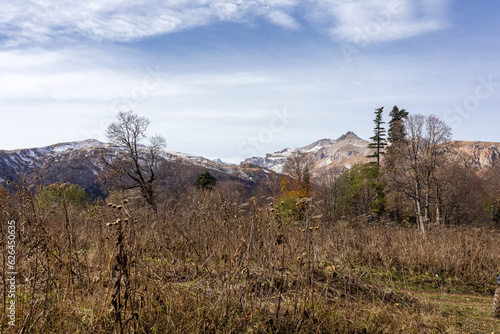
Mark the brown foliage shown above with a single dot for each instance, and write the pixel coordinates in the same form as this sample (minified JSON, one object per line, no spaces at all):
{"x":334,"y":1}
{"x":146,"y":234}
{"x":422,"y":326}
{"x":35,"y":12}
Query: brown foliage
{"x":212,"y":264}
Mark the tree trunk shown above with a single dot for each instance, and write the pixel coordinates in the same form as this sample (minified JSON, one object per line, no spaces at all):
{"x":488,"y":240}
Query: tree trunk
{"x":438,"y":206}
{"x":149,"y":195}
{"x":426,"y":209}
{"x":421,"y":224}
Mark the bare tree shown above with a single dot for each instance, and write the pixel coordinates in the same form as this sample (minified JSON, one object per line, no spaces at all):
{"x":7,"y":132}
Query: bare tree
{"x":411,"y":164}
{"x":134,"y":165}
{"x":298,"y":166}
{"x":327,"y":188}
{"x":492,"y":188}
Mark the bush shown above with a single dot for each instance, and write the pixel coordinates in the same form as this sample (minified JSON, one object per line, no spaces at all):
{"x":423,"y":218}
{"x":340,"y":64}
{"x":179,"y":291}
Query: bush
{"x":205,"y":181}
{"x":59,"y":194}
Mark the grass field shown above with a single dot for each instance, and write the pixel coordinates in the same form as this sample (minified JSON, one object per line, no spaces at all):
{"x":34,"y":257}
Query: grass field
{"x":214,"y":266}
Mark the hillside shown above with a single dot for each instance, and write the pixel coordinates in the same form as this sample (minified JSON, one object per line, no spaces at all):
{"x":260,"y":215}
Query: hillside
{"x":477,"y":154}
{"x":349,"y":149}
{"x":80,"y":163}
{"x":342,"y":152}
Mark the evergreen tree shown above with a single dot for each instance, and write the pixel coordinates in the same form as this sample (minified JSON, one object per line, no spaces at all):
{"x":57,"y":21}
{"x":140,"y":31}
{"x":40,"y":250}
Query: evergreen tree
{"x":396,"y":131}
{"x":205,"y":180}
{"x":378,"y":139}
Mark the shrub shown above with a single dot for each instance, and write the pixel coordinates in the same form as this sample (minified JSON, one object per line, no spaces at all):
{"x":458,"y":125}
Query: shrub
{"x":59,"y":194}
{"x":205,"y":180}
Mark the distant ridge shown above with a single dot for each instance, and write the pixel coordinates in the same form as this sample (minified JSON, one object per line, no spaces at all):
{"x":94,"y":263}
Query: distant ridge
{"x":342,"y":153}
{"x":80,"y":162}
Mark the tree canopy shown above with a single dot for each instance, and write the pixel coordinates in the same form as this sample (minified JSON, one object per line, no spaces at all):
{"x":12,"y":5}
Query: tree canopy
{"x":205,"y":180}
{"x":135,"y":166}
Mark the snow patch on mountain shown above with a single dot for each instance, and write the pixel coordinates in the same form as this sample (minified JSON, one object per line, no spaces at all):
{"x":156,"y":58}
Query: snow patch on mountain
{"x":92,"y":150}
{"x":325,"y":153}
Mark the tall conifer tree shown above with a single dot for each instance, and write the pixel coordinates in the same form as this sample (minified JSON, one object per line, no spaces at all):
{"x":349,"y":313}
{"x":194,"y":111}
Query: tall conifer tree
{"x":378,"y":139}
{"x":396,"y":131}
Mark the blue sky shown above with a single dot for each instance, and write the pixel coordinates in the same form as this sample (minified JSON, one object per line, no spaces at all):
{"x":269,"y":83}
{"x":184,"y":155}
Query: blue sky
{"x":234,"y":78}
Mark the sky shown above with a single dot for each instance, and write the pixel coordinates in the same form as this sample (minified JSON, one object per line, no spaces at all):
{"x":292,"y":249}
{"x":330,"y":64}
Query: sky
{"x":232,"y":79}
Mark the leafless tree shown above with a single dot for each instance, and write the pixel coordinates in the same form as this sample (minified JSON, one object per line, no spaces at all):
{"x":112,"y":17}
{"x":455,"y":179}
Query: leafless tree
{"x":333,"y":192}
{"x":412,"y":163}
{"x":491,"y":182}
{"x":134,"y":165}
{"x":298,"y":166}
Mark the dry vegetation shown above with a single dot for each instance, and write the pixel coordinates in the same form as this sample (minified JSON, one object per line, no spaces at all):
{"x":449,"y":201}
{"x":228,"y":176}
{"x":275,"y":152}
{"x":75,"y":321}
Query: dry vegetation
{"x":208,"y":264}
{"x":338,"y":252}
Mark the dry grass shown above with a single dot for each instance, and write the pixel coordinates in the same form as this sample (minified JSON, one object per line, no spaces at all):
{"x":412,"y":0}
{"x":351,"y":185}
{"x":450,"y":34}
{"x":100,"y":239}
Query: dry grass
{"x":214,"y":266}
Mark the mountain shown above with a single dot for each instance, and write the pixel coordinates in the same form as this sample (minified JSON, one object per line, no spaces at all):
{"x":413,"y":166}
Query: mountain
{"x":476,"y":154}
{"x":342,"y":152}
{"x":80,"y":163}
{"x":349,"y":149}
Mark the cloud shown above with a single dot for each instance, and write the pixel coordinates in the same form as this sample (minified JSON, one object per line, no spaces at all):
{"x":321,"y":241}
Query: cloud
{"x":364,"y":22}
{"x":37,"y":74}
{"x":367,"y":21}
{"x":120,"y":20}
{"x":284,"y":20}
{"x":85,"y":75}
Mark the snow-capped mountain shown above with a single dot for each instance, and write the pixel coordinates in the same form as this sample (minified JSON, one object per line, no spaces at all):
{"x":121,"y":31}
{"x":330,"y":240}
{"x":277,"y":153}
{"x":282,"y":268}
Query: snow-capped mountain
{"x":81,"y":163}
{"x":342,"y":152}
{"x":32,"y":158}
{"x":349,"y":149}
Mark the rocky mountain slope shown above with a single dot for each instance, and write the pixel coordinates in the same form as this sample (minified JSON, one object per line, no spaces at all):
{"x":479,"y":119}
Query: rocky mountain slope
{"x":476,"y":154}
{"x":342,"y":152}
{"x":349,"y":149}
{"x":80,"y":163}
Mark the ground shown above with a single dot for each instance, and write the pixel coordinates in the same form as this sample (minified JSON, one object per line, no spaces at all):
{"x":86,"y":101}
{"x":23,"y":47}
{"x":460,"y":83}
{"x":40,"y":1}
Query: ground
{"x":467,"y":313}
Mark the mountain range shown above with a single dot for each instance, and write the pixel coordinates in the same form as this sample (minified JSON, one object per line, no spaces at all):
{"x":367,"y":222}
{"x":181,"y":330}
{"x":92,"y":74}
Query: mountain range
{"x":342,"y":152}
{"x":349,"y":149}
{"x":80,"y":162}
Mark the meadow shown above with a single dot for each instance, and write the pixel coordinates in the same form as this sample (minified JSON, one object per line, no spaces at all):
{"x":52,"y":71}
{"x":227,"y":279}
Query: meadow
{"x":211,"y":264}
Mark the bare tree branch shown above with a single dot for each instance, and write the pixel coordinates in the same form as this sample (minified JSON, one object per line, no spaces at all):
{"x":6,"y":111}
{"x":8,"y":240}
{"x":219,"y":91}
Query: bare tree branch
{"x":137,"y":162}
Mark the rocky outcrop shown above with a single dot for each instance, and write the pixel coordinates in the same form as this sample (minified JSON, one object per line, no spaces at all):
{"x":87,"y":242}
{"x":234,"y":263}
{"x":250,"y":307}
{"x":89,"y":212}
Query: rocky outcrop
{"x":349,"y":149}
{"x":342,"y":153}
{"x":476,"y":153}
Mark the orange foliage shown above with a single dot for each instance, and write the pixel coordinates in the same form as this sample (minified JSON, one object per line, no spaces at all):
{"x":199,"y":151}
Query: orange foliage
{"x":291,"y":187}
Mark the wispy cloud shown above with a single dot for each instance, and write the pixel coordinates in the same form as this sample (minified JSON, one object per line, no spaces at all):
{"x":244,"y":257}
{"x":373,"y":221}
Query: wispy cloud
{"x":120,"y":20}
{"x":212,"y":99}
{"x":69,"y":74}
{"x":284,"y":20}
{"x":365,"y":22}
